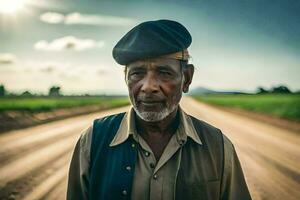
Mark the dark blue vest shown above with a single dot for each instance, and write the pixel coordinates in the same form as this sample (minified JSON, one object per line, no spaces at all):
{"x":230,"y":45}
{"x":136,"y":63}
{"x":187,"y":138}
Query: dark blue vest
{"x":111,"y":168}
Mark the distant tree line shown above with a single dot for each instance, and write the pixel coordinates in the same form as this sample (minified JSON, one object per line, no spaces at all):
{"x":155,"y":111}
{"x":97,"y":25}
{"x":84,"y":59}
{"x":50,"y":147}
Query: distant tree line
{"x":278,"y":90}
{"x":53,"y":91}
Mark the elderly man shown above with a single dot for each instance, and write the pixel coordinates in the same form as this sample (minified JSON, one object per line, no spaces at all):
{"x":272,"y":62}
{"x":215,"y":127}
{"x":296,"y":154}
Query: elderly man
{"x":155,"y":150}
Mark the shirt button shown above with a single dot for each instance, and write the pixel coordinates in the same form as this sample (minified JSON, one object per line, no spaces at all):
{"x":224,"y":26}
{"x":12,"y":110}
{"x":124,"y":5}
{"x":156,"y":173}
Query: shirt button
{"x":132,"y":145}
{"x":124,"y":192}
{"x":147,"y":154}
{"x":128,"y":168}
{"x":181,"y":142}
{"x":152,"y":165}
{"x":155,"y":176}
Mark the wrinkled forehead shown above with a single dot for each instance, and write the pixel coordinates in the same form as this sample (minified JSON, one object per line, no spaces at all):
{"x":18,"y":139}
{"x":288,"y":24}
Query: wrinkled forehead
{"x":155,"y":62}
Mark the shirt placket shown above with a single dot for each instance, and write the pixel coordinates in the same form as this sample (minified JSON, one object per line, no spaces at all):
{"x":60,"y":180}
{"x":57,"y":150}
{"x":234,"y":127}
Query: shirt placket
{"x":157,"y":168}
{"x":156,"y":179}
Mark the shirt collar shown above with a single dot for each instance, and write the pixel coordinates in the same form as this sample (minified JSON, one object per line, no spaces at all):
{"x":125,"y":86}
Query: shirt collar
{"x":127,"y":128}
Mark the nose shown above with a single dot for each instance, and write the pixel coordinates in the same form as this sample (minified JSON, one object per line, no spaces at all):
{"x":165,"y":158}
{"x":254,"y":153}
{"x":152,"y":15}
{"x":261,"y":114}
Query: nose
{"x":150,"y":84}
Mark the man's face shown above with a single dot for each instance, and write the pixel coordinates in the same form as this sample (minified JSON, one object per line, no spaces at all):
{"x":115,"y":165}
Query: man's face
{"x":155,"y":87}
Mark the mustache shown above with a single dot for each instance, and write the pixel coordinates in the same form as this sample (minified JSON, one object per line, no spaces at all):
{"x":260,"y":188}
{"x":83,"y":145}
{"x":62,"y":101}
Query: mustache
{"x":150,"y":98}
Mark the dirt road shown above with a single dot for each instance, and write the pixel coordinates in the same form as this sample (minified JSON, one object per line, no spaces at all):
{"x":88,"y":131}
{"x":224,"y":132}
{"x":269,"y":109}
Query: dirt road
{"x":34,"y":161}
{"x":270,"y":156}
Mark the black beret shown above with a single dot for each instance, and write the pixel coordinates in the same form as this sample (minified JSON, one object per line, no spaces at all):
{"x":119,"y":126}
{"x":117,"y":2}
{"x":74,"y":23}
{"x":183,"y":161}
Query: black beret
{"x":151,"y":39}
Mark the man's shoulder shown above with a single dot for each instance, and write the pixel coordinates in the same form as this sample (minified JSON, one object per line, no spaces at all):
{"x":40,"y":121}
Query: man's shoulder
{"x":209,"y":131}
{"x":104,"y":128}
{"x":87,"y":134}
{"x":204,"y":127}
{"x":108,"y":118}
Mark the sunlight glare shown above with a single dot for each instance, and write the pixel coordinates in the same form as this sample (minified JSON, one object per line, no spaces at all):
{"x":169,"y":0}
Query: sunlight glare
{"x":11,"y":6}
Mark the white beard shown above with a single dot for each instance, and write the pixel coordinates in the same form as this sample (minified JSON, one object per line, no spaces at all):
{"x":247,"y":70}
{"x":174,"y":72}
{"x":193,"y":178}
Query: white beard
{"x":150,"y":116}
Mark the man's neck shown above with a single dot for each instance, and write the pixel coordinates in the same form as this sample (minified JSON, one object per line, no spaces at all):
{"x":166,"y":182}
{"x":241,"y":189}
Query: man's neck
{"x":160,"y":128}
{"x":158,"y":134}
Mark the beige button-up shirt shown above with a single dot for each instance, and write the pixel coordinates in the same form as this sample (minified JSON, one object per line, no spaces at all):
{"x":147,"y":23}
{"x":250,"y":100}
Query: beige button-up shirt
{"x":156,"y":179}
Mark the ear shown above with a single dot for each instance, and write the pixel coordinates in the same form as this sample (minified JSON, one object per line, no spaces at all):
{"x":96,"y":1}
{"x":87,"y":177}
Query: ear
{"x":188,"y":73}
{"x":125,"y":74}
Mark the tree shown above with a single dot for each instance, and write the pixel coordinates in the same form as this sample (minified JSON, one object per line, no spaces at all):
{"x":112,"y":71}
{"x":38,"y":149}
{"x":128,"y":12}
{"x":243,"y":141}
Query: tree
{"x":261,"y":90}
{"x":281,"y":89}
{"x":26,"y":94}
{"x":2,"y":91}
{"x":54,"y":91}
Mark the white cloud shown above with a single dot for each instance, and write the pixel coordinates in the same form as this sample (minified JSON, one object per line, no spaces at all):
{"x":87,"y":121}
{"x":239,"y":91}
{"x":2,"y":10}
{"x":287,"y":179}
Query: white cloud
{"x":52,"y":17}
{"x":78,"y":18}
{"x":7,"y":58}
{"x":68,"y":43}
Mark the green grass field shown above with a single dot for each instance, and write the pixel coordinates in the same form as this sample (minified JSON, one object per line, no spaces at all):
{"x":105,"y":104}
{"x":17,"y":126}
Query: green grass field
{"x":280,"y":105}
{"x":40,"y":104}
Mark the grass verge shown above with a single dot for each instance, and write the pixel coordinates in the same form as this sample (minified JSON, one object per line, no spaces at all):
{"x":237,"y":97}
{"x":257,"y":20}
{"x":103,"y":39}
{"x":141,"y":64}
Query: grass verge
{"x":42,"y":104}
{"x":286,"y":106}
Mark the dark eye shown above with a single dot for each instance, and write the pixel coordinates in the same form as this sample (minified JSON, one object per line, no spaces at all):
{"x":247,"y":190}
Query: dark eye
{"x":165,"y":73}
{"x":136,"y":74}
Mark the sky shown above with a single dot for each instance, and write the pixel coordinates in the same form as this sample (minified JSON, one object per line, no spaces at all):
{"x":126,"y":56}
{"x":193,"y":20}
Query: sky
{"x":237,"y":45}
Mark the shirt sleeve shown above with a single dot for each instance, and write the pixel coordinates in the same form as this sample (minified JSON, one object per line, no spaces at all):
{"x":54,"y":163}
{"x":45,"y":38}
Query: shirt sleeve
{"x":233,"y":185}
{"x":78,"y":179}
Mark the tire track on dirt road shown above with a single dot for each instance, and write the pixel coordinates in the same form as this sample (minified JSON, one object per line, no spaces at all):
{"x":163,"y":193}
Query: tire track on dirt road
{"x":35,"y":161}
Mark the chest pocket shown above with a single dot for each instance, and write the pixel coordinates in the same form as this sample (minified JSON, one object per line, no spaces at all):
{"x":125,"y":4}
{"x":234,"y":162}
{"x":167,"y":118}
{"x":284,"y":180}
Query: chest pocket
{"x":208,"y":190}
{"x":198,"y":177}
